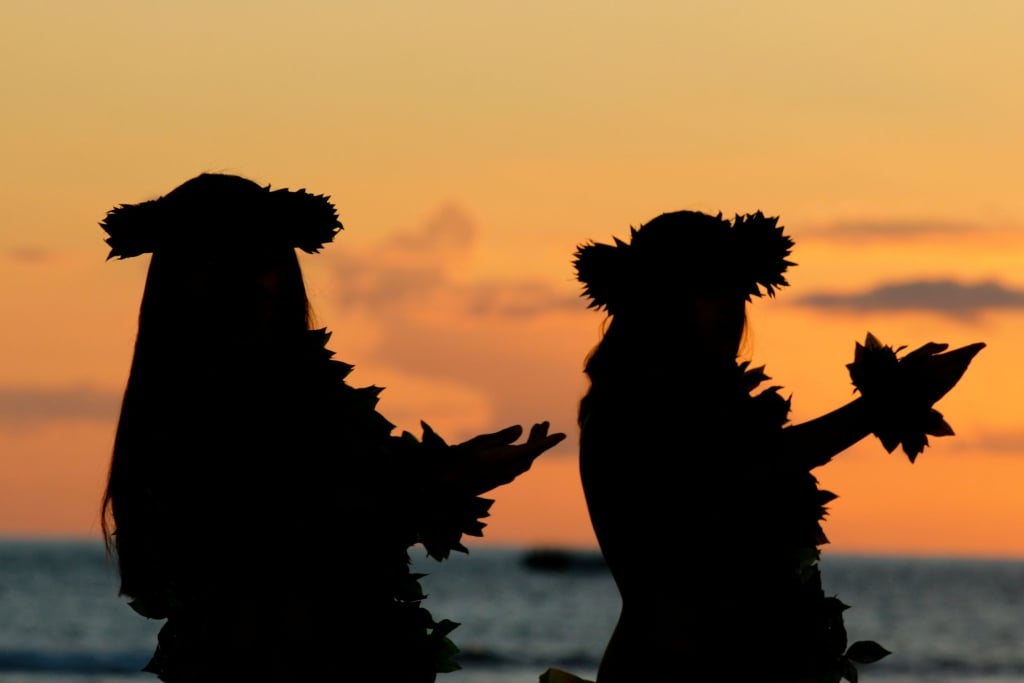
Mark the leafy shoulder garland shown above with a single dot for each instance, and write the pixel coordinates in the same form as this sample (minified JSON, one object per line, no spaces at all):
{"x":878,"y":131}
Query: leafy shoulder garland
{"x":438,"y":516}
{"x":429,"y":513}
{"x":771,"y":411}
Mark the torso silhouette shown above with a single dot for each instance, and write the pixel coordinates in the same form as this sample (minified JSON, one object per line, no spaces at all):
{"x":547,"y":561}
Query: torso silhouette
{"x":698,"y":515}
{"x":281,"y":562}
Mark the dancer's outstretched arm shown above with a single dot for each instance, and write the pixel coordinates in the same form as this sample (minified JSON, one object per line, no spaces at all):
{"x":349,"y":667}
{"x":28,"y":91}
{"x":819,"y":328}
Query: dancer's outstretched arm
{"x":815,"y":442}
{"x":931,"y":370}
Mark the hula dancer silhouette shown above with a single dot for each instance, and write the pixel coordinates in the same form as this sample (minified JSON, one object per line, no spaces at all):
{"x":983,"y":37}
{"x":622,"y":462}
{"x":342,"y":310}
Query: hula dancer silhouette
{"x":699,"y":491}
{"x":255,"y":500}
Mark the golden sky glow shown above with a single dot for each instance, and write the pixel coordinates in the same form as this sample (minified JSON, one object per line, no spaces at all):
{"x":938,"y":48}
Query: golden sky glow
{"x":470,"y":147}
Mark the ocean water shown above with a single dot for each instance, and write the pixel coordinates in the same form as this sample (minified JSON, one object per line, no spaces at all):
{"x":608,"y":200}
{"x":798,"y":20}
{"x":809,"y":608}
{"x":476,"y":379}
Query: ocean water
{"x":945,"y":620}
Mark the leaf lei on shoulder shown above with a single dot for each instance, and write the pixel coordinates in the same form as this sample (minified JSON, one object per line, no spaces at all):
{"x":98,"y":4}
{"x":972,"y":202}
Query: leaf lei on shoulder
{"x":360,"y":401}
{"x":771,"y":412}
{"x":438,"y":517}
{"x":836,"y":660}
{"x":772,"y":409}
{"x":447,"y":515}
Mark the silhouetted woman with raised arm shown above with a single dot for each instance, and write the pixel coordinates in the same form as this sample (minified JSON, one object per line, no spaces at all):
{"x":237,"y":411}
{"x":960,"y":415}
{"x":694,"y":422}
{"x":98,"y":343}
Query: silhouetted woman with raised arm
{"x":255,"y":500}
{"x":700,"y":494}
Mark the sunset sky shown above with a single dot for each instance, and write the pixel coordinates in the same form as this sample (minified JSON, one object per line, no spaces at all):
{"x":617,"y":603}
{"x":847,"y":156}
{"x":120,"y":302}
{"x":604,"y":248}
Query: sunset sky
{"x":469,"y":148}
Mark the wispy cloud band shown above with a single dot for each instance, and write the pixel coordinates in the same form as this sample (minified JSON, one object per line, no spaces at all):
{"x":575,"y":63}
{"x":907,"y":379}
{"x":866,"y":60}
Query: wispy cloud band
{"x":947,"y":297}
{"x":27,"y":406}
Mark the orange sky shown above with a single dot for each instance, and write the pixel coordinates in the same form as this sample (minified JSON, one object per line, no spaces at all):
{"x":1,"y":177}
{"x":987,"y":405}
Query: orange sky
{"x":469,"y":148}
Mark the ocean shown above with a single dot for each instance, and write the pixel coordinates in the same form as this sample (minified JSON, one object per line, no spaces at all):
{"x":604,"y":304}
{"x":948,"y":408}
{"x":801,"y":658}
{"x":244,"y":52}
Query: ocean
{"x":946,"y":620}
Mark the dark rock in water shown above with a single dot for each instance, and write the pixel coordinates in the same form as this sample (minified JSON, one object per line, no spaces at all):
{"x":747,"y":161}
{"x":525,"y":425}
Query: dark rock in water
{"x":557,"y":560}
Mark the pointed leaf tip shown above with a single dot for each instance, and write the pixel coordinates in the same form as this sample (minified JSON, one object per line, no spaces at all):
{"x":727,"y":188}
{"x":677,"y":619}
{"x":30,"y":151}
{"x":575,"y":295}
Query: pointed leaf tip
{"x":866,"y":652}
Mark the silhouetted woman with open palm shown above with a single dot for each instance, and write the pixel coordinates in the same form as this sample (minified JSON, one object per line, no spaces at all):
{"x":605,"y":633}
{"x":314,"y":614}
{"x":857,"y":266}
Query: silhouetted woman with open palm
{"x":255,"y":500}
{"x":700,"y":494}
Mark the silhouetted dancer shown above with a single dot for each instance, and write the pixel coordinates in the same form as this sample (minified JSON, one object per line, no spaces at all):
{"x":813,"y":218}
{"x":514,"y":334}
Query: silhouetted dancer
{"x":700,"y":495}
{"x":255,"y":500}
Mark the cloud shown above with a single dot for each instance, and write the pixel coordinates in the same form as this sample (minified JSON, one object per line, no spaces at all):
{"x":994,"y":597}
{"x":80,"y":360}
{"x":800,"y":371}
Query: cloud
{"x":524,"y":299}
{"x":449,"y":229}
{"x":1001,"y":442}
{"x":947,"y":297}
{"x":467,"y":350}
{"x":849,"y":231}
{"x":23,"y":406}
{"x":29,"y":255}
{"x":418,"y":268}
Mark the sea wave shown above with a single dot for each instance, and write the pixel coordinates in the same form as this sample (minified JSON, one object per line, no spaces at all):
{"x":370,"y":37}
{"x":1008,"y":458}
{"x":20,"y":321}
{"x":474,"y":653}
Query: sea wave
{"x":946,"y":621}
{"x":80,"y":663}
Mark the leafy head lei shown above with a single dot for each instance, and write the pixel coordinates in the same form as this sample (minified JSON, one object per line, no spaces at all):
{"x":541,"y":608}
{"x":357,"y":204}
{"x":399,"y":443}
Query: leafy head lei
{"x":221,"y":211}
{"x":685,"y":249}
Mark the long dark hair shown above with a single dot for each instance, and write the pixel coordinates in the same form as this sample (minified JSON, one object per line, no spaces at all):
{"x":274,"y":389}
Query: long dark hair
{"x":212,"y":313}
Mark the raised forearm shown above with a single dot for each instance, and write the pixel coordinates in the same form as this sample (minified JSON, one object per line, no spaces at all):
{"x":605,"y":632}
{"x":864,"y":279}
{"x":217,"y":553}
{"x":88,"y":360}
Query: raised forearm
{"x":816,"y":442}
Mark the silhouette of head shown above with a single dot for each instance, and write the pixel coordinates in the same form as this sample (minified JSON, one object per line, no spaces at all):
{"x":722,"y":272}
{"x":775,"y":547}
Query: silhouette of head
{"x":221,"y":212}
{"x":223,"y":254}
{"x":685,"y":254}
{"x":687,"y":269}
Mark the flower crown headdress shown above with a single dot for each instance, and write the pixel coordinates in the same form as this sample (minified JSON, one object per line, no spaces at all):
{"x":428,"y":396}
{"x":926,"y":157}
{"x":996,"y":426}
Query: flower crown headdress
{"x":696,"y":251}
{"x":221,"y":211}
